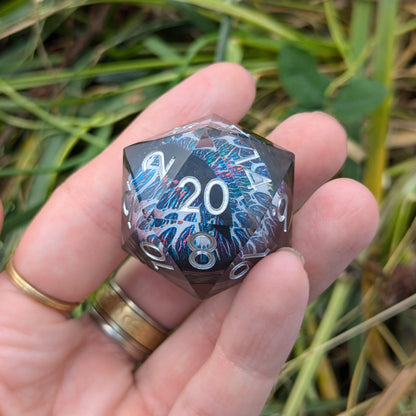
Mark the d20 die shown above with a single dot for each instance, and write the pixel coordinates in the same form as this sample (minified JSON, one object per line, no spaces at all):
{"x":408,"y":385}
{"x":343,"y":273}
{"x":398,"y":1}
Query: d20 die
{"x":204,"y":202}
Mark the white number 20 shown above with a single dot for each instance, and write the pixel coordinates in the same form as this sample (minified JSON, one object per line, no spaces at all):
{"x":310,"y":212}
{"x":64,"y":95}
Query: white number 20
{"x":207,"y":195}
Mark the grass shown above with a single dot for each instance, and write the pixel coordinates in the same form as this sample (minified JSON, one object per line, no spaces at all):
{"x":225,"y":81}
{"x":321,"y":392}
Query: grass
{"x":73,"y":73}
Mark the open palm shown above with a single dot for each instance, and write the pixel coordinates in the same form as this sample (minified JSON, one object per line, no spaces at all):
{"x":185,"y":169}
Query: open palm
{"x":226,"y":352}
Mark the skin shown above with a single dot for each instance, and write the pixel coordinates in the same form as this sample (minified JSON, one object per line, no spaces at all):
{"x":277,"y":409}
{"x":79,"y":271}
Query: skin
{"x":226,"y":352}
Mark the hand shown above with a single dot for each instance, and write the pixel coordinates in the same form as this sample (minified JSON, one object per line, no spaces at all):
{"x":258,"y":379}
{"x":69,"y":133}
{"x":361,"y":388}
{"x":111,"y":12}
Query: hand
{"x":226,"y":352}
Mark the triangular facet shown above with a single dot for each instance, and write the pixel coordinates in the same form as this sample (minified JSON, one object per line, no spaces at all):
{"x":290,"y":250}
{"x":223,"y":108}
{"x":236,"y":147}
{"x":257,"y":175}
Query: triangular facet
{"x":202,"y":289}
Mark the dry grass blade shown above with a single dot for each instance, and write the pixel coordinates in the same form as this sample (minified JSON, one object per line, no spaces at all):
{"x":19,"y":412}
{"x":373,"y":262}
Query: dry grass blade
{"x":403,"y":385}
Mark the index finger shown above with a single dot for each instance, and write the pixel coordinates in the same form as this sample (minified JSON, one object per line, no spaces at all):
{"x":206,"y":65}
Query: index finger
{"x":73,"y":244}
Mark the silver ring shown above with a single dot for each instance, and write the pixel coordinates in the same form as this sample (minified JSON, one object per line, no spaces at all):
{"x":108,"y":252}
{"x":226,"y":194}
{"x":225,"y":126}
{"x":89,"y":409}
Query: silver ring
{"x":122,"y":320}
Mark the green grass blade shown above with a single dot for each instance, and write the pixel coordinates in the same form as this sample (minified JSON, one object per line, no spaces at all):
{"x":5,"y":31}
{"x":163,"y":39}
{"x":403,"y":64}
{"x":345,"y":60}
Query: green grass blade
{"x":265,"y":22}
{"x":335,"y":29}
{"x":306,"y":375}
{"x":384,"y":56}
{"x":223,"y":38}
{"x":360,"y":31}
{"x":53,"y":121}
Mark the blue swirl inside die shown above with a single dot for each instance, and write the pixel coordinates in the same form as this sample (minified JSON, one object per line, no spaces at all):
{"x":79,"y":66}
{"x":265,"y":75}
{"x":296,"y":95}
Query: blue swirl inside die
{"x":206,"y":201}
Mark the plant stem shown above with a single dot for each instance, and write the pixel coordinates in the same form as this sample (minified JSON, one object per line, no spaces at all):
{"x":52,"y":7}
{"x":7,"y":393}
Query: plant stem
{"x":335,"y":28}
{"x":383,"y":72}
{"x":383,"y":63}
{"x":224,"y":34}
{"x":307,"y":373}
{"x":360,"y":30}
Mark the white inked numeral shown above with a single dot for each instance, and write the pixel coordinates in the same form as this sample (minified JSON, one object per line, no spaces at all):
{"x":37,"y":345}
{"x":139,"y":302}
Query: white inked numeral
{"x":129,"y":189}
{"x":255,"y":155}
{"x":239,"y":270}
{"x":197,"y":190}
{"x":199,"y":253}
{"x":155,"y":254}
{"x":255,"y":179}
{"x":242,"y":268}
{"x":151,"y":158}
{"x":126,"y":210}
{"x":225,"y":196}
{"x":186,"y":206}
{"x":280,"y":210}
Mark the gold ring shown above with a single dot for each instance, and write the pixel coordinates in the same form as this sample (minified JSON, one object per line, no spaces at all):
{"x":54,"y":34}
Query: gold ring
{"x":124,"y":321}
{"x":34,"y":293}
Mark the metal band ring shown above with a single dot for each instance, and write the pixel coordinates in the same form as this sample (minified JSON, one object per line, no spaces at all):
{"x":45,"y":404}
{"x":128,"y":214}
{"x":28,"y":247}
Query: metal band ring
{"x":34,"y":293}
{"x":121,"y":319}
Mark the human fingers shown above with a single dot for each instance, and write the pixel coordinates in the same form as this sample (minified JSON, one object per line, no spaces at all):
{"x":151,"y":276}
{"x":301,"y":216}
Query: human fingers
{"x":320,"y":146}
{"x":74,"y":242}
{"x":331,"y":229}
{"x":255,"y":339}
{"x":337,"y":222}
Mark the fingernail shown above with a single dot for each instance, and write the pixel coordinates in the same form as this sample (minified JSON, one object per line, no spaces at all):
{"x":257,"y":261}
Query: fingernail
{"x":295,"y":252}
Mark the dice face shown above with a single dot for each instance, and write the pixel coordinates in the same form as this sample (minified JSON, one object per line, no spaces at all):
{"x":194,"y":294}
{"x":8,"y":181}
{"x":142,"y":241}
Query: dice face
{"x":205,"y":202}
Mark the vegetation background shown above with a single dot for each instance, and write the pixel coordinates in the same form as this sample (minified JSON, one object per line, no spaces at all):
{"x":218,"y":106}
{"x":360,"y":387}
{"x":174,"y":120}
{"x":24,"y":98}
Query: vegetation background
{"x":73,"y":73}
